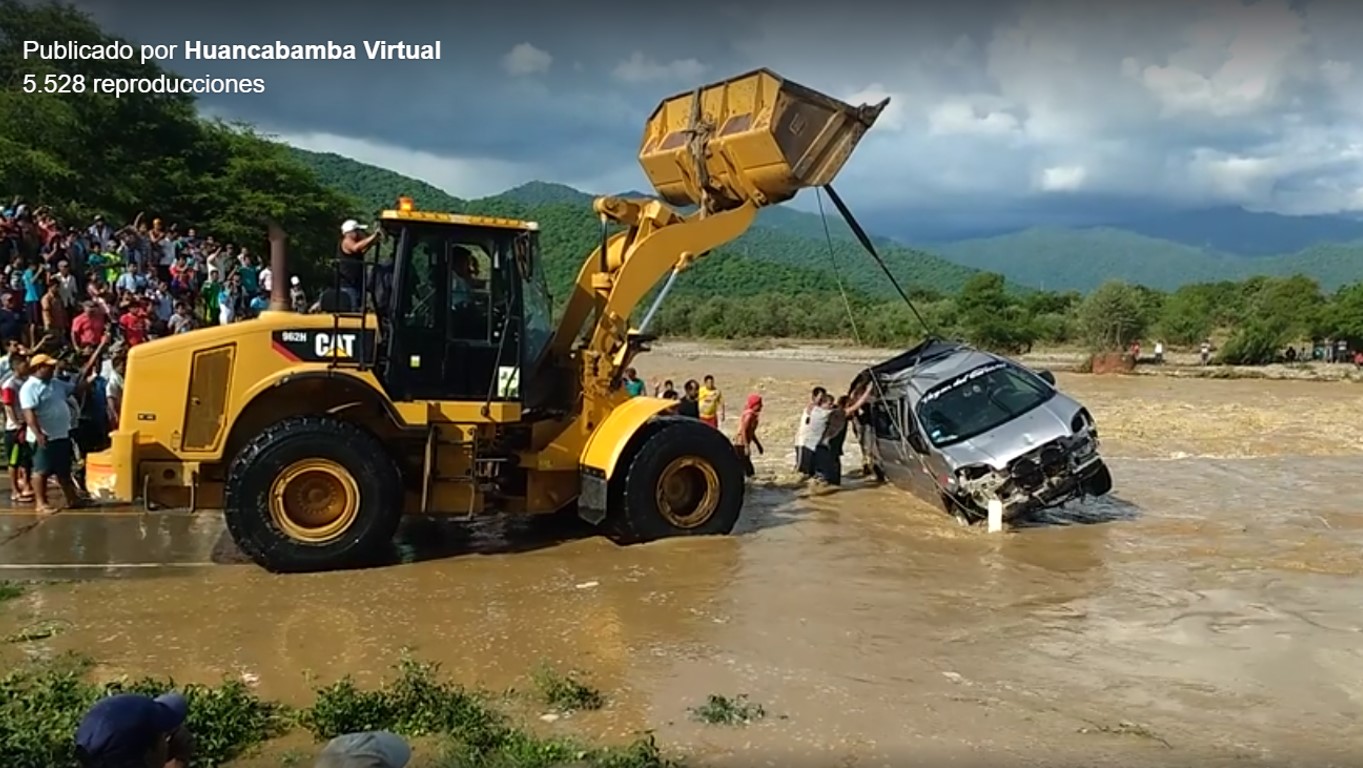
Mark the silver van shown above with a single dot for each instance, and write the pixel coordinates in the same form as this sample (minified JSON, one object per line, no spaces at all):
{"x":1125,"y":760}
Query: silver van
{"x":959,"y":427}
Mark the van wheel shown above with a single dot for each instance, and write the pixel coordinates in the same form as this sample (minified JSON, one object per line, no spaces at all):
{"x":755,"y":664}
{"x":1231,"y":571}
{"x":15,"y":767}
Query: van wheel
{"x":1099,"y":482}
{"x":313,"y":493}
{"x":684,"y":480}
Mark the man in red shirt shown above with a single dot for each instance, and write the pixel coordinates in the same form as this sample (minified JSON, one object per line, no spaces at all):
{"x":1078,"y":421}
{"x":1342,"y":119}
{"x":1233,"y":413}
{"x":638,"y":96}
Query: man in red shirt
{"x":88,"y":327}
{"x":134,"y":324}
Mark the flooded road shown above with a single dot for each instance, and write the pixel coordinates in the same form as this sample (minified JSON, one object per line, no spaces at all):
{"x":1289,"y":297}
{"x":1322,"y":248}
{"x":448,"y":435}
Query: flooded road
{"x":1208,"y":610}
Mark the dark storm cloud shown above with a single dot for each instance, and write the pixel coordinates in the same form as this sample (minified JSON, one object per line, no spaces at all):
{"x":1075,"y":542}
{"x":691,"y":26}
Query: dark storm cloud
{"x":466,"y":103}
{"x":1042,"y":107}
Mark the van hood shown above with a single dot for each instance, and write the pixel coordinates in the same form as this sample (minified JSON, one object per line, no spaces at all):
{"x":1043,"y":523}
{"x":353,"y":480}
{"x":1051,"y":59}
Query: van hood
{"x":1022,"y":435}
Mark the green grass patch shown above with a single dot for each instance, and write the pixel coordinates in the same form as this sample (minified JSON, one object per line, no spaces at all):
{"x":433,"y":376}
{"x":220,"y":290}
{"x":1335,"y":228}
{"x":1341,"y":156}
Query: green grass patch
{"x":417,"y":702}
{"x":564,"y":692}
{"x":10,"y":590}
{"x":722,"y":710}
{"x":41,"y":704}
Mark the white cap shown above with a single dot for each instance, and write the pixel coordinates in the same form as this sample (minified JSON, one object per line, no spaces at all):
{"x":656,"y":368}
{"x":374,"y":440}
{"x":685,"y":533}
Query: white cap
{"x":351,"y":225}
{"x":294,"y":280}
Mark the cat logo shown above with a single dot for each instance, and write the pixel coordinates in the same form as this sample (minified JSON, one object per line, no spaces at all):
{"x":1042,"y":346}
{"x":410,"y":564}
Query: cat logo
{"x":339,"y":345}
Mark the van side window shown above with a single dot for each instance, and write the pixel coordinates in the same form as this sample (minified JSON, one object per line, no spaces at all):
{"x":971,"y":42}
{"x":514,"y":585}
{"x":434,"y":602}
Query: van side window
{"x":885,"y":417}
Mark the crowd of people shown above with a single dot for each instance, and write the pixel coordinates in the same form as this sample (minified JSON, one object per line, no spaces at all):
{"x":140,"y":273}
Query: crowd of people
{"x":74,"y":300}
{"x":131,"y":729}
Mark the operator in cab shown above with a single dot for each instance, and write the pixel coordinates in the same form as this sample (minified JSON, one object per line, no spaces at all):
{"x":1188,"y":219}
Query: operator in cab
{"x":464,"y":277}
{"x":469,"y":319}
{"x":350,"y":261}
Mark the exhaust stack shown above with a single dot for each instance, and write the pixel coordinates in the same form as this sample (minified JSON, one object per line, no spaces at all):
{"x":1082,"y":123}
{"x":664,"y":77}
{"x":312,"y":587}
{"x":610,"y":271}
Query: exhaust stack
{"x":279,"y":270}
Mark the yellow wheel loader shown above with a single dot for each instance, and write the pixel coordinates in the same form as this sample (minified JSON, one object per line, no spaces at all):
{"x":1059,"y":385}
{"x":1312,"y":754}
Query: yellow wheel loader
{"x":451,"y":391}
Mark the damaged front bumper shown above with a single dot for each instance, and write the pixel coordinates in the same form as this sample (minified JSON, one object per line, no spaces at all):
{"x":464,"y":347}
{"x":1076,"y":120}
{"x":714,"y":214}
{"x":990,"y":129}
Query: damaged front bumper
{"x":1056,"y":473}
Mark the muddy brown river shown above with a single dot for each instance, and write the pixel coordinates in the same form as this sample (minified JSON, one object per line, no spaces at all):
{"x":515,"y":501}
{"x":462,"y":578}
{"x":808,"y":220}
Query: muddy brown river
{"x":1210,"y":609}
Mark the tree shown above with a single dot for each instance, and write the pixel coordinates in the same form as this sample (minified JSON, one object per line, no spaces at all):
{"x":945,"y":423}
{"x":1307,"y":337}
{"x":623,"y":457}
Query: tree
{"x":1113,"y":316}
{"x":97,"y":153}
{"x":1188,"y":315}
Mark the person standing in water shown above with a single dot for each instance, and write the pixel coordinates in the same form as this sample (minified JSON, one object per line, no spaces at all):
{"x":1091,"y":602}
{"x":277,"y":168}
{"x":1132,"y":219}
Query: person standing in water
{"x":804,"y":454}
{"x":746,"y":439}
{"x":689,"y":405}
{"x":711,"y":403}
{"x":828,"y":453}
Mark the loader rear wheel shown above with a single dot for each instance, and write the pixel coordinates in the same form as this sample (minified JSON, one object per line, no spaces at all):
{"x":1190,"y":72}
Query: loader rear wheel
{"x":313,"y":493}
{"x":684,"y":480}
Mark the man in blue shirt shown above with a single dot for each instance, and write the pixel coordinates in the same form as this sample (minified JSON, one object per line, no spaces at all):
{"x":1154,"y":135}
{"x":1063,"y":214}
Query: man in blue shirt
{"x":48,"y":418}
{"x":33,"y":298}
{"x":132,"y":281}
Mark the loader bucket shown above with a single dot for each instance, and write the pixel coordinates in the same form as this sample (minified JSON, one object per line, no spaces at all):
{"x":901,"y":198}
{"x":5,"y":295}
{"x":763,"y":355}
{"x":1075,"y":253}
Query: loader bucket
{"x":765,"y":137}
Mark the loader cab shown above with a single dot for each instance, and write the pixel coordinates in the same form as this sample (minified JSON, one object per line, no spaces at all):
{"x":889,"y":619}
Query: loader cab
{"x":464,"y":305}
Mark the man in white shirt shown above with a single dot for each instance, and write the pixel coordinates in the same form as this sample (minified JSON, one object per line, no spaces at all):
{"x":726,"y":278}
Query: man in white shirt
{"x":48,"y":423}
{"x":17,"y":454}
{"x":812,"y":422}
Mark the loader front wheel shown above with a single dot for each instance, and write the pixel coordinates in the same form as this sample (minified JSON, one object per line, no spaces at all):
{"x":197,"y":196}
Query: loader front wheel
{"x":685,"y":480}
{"x":313,"y":493}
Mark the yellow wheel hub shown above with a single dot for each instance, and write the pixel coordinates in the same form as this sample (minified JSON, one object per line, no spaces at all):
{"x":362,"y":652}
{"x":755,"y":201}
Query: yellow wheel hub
{"x":688,"y":492}
{"x":314,"y":500}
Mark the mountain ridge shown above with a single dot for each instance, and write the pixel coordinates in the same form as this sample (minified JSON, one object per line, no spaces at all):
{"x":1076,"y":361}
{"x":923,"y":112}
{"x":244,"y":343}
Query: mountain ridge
{"x":1076,"y":258}
{"x":571,"y":230}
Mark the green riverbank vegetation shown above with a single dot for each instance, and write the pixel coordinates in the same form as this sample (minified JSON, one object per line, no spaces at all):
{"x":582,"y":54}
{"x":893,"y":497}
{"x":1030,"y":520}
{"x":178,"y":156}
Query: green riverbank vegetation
{"x":41,"y":704}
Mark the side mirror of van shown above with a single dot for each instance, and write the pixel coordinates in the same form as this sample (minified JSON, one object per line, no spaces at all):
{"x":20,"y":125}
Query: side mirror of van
{"x":917,"y":443}
{"x":1047,"y":376}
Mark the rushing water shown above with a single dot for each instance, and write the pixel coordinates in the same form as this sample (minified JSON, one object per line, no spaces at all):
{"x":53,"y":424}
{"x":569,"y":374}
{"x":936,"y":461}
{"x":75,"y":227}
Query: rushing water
{"x":1210,"y":607}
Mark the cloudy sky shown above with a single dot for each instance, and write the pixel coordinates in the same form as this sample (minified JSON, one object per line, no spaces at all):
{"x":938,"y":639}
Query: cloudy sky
{"x":1052,"y":111}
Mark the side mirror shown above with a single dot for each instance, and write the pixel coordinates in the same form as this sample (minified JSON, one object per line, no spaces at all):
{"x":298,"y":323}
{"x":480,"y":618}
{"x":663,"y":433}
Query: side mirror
{"x":1047,"y":377}
{"x":917,"y":443}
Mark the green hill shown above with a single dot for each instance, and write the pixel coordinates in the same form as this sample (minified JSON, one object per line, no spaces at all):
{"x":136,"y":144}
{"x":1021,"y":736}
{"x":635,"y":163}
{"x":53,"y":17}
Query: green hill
{"x":376,"y":188}
{"x":1082,"y":259}
{"x":785,"y":250}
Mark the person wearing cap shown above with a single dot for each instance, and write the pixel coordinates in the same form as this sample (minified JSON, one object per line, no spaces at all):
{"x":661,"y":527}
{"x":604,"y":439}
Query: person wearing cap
{"x":350,"y":260}
{"x":101,"y":231}
{"x":370,"y":749}
{"x":129,"y":730}
{"x":48,"y":422}
{"x":66,"y":284}
{"x":297,"y":296}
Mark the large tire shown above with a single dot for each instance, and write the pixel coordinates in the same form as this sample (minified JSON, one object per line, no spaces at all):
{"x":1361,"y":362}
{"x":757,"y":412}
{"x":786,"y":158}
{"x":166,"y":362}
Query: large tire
{"x":683,"y":467}
{"x":338,"y":501}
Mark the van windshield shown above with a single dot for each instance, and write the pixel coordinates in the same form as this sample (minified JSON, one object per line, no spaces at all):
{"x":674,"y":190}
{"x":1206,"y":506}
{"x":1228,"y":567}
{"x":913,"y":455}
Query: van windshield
{"x":978,"y":401}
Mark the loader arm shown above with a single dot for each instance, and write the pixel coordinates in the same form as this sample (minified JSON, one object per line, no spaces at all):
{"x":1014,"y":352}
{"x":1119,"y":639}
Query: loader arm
{"x":727,"y":150}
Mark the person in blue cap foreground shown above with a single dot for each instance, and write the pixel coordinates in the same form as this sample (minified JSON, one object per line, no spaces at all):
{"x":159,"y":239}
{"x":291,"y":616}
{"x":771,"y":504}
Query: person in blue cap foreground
{"x":372,"y":749}
{"x":130,"y":730}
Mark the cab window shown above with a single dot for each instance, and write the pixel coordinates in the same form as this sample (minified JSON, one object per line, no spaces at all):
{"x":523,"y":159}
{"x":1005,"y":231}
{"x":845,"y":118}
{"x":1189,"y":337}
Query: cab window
{"x":419,"y":311}
{"x":471,"y":284}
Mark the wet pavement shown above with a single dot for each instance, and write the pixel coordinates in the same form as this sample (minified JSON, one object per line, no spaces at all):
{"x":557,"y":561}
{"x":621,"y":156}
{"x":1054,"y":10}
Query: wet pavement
{"x":1208,"y":610}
